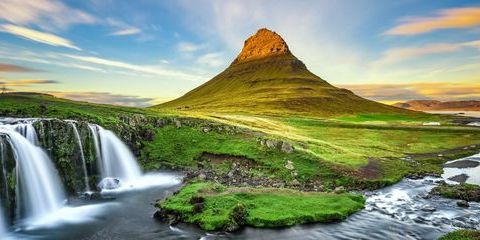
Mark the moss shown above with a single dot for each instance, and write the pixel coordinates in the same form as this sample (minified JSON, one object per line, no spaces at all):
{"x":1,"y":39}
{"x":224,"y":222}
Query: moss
{"x":462,"y":235}
{"x":467,"y":192}
{"x":228,"y":208}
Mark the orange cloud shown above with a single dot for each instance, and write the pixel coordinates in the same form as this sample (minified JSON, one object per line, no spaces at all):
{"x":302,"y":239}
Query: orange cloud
{"x":445,"y":19}
{"x":419,"y":90}
{"x":14,"y":68}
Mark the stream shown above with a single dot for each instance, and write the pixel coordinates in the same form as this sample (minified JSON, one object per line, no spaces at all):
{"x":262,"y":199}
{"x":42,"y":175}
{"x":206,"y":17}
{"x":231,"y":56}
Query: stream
{"x":401,"y":211}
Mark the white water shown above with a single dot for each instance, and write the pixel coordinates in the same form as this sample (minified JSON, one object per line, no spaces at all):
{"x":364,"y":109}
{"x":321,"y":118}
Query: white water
{"x":116,"y":160}
{"x":82,"y":156}
{"x":28,"y":131}
{"x":3,"y":229}
{"x":39,"y":189}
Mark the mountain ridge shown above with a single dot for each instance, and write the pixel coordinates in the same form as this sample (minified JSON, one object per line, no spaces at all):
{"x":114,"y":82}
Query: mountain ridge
{"x":266,"y":78}
{"x":426,"y":105}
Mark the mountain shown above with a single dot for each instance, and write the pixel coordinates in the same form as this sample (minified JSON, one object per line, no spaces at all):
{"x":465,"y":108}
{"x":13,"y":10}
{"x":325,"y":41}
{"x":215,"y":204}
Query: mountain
{"x":432,"y":105}
{"x":266,"y":78}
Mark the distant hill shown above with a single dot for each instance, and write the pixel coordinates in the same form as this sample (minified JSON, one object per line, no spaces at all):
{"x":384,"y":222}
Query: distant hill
{"x":432,"y":105}
{"x":266,"y":78}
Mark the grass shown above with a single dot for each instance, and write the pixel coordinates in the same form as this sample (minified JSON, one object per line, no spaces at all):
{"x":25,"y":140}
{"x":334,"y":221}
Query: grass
{"x":464,"y":191}
{"x":184,"y":146}
{"x":227,"y":208}
{"x":43,"y":105}
{"x":462,"y":235}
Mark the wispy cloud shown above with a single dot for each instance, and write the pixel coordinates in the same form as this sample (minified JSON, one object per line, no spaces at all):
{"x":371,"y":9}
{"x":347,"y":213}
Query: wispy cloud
{"x":126,"y":31}
{"x":444,"y":19}
{"x":188,"y":47}
{"x":46,"y":14}
{"x":396,"y":55}
{"x":106,"y":98}
{"x":155,"y":70}
{"x":38,"y":36}
{"x":26,"y":82}
{"x":212,"y":59}
{"x":15,"y":68}
{"x":419,"y":90}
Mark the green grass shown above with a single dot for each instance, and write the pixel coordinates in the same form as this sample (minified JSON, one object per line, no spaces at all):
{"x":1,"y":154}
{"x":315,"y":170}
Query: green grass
{"x":462,"y":235}
{"x":184,"y":146}
{"x":42,"y":105}
{"x":396,"y":118}
{"x":464,"y":191}
{"x":224,"y":207}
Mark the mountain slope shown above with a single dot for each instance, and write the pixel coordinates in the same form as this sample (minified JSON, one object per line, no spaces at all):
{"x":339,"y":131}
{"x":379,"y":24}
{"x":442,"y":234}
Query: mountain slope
{"x":266,"y":78}
{"x":431,"y":105}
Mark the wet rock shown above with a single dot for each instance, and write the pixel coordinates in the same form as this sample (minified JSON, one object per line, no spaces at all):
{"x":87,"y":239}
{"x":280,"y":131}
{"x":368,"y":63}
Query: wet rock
{"x":429,"y":209}
{"x":109,"y":183}
{"x":462,"y":164}
{"x":459,"y":178}
{"x":463,"y":203}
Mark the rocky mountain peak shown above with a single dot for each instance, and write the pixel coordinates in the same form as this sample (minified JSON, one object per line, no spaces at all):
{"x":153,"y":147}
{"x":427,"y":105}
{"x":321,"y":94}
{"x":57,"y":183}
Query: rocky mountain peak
{"x":264,"y":43}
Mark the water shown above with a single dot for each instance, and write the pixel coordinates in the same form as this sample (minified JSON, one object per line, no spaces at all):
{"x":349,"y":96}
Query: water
{"x":39,"y":188}
{"x":82,"y":156}
{"x":3,"y":228}
{"x":473,"y":173}
{"x":116,"y":160}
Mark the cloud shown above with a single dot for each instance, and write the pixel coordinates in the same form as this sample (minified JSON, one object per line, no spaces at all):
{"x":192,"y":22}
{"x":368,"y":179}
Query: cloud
{"x":46,"y":14}
{"x":396,"y":55}
{"x":444,"y":19}
{"x":26,"y":82}
{"x":15,"y":68}
{"x":38,"y":36}
{"x":418,"y":90}
{"x":126,"y":31}
{"x":155,"y":70}
{"x":212,"y":59}
{"x":188,"y":47}
{"x":105,"y":98}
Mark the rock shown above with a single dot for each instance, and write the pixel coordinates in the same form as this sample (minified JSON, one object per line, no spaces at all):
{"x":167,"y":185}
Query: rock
{"x":178,"y":124}
{"x":271,"y":143}
{"x":202,"y":176}
{"x":264,"y":43}
{"x":109,"y":183}
{"x":206,"y":129}
{"x":289,"y":165}
{"x":286,"y":147}
{"x":429,"y":209}
{"x":198,"y":207}
{"x":463,"y":203}
{"x":340,"y":189}
{"x":295,"y":182}
{"x":462,"y":164}
{"x":459,"y":178}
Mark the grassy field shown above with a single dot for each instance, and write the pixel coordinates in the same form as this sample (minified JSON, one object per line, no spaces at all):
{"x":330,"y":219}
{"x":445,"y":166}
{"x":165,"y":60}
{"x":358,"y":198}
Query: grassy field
{"x":341,"y":150}
{"x":215,"y":207}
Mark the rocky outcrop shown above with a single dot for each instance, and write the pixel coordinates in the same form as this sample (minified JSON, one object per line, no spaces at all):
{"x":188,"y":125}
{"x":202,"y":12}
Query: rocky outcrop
{"x":264,"y":43}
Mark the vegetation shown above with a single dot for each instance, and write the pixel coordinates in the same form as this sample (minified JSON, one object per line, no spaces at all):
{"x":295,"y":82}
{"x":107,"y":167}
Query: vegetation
{"x":467,"y":192}
{"x":462,"y":235}
{"x":215,"y":207}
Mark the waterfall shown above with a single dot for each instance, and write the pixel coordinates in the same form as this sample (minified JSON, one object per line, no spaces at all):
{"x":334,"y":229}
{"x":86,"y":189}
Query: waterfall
{"x":28,"y":131}
{"x":116,"y":160}
{"x":3,"y":229}
{"x":39,"y":189}
{"x":82,"y":156}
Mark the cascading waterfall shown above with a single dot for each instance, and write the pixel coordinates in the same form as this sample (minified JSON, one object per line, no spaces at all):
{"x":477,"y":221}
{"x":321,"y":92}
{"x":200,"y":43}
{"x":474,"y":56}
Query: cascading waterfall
{"x":3,"y":229}
{"x":39,"y":189}
{"x":115,"y":159}
{"x":82,"y":156}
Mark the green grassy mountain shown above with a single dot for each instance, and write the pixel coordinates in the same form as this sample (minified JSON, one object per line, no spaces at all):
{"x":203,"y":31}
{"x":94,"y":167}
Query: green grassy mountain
{"x":266,"y":78}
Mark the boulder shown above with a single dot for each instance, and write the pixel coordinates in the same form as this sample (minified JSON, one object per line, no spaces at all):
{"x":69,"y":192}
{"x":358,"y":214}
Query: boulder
{"x":463,"y":203}
{"x":289,"y":165}
{"x":109,"y":183}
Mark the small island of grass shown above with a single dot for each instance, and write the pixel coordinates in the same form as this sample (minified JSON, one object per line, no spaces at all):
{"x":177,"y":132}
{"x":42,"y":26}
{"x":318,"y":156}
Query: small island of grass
{"x":216,"y":207}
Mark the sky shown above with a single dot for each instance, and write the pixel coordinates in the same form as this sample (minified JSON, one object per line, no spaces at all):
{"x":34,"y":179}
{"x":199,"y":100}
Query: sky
{"x":144,"y":52}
